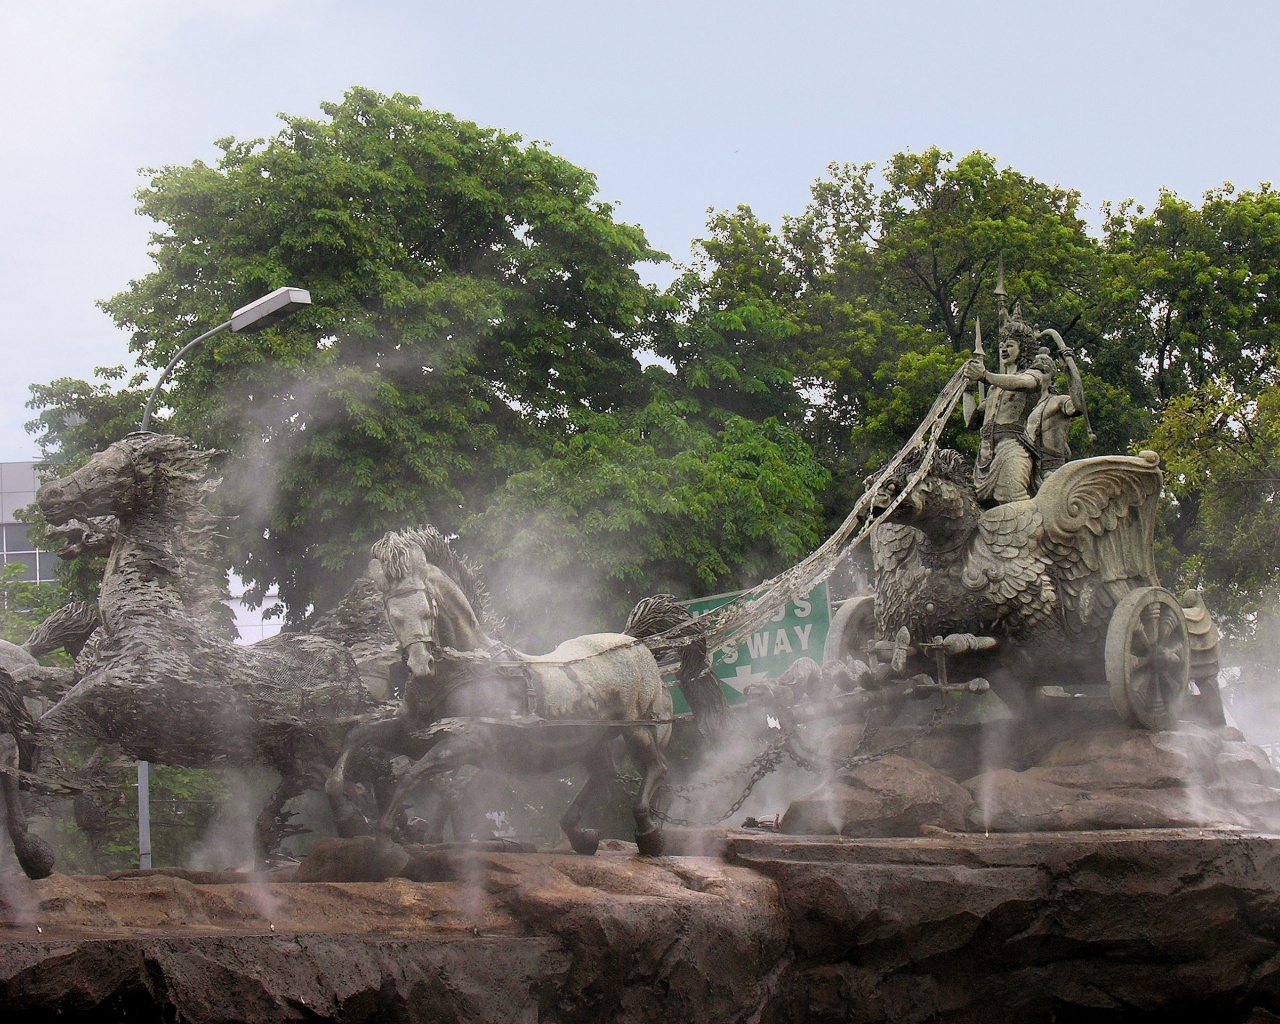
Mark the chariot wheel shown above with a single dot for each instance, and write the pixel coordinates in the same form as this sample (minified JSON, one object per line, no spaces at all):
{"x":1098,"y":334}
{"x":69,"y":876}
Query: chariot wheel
{"x":1148,"y":658}
{"x":853,"y":627}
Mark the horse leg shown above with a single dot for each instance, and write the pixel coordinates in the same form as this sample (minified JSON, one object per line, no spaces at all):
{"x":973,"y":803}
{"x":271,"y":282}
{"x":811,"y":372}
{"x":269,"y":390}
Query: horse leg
{"x":347,"y":818}
{"x":644,"y":749}
{"x":600,"y":769}
{"x":450,"y":752}
{"x":33,"y":853}
{"x":272,"y":827}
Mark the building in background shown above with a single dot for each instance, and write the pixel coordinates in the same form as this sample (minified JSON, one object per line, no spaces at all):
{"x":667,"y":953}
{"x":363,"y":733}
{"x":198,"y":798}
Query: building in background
{"x":250,"y":623}
{"x":18,"y":484}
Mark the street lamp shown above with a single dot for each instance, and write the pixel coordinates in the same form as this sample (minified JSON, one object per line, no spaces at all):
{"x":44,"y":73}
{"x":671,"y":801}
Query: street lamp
{"x":257,"y":315}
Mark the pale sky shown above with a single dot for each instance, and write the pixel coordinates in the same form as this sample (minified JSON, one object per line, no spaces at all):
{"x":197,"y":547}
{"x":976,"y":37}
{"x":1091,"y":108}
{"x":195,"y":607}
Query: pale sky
{"x":675,"y":106}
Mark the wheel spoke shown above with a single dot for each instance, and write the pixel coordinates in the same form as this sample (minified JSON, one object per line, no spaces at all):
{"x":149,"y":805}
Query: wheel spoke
{"x":1140,"y":685}
{"x":1150,"y":620}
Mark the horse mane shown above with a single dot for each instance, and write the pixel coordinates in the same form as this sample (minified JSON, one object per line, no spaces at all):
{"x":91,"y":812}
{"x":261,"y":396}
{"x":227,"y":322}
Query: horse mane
{"x":173,"y":475}
{"x":169,"y":456}
{"x":394,"y":551}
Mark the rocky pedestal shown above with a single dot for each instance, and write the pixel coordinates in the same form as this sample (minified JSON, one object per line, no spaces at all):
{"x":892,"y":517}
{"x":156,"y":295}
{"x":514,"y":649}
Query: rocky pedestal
{"x":1103,"y":778}
{"x":1102,"y":926}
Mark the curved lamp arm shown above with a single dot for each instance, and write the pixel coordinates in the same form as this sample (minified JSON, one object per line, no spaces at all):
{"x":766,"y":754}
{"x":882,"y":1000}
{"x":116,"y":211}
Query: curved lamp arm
{"x":164,"y":376}
{"x":248,"y":319}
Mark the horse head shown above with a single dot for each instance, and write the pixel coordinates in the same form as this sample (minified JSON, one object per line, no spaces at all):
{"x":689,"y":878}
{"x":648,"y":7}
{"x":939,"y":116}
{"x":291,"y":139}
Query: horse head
{"x":412,"y":610}
{"x":428,"y":606}
{"x":941,"y":504}
{"x":139,"y":474}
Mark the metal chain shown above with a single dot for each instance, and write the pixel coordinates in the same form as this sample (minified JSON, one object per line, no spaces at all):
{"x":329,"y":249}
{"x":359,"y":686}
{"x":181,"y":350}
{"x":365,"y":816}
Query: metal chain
{"x":761,"y":765}
{"x":940,"y":714}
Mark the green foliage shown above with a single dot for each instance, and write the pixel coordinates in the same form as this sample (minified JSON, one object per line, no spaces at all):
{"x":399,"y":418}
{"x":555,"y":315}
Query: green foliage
{"x":941,"y":229}
{"x":77,"y":418}
{"x":1198,"y":289}
{"x":1222,"y":453}
{"x":848,"y":323}
{"x":471,"y":356}
{"x":23,"y":605}
{"x":1198,"y":322}
{"x":897,"y":277}
{"x":640,"y":503}
{"x":730,"y":329}
{"x":469,"y":292}
{"x":97,"y":832}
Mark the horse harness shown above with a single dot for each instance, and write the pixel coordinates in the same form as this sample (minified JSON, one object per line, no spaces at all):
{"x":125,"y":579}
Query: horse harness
{"x":504,"y":661}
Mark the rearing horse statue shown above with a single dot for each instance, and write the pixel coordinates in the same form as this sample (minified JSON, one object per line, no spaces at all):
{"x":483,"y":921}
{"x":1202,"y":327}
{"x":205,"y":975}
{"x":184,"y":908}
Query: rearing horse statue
{"x":497,"y":708}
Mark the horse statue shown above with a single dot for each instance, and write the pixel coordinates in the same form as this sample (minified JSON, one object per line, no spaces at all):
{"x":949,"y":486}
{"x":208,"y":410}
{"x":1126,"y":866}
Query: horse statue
{"x":168,"y":684}
{"x":473,"y":701}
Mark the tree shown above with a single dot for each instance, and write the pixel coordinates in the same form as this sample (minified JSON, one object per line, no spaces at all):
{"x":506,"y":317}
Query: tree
{"x":848,"y":323}
{"x":77,"y":418}
{"x":654,"y":500}
{"x":729,"y":326}
{"x":925,"y":246}
{"x":1198,"y":321}
{"x":1221,"y":451}
{"x":24,"y":605}
{"x":469,"y":294}
{"x":1199,"y":290}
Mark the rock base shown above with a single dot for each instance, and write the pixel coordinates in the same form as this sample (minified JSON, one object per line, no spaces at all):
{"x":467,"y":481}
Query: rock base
{"x":1103,"y":778}
{"x":1103,"y":926}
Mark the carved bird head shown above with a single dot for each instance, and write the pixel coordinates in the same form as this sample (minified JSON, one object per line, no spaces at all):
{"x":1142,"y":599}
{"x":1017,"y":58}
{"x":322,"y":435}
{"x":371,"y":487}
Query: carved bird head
{"x":941,"y":503}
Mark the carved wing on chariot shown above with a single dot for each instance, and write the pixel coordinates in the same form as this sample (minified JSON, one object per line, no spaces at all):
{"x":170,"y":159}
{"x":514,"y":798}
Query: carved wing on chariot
{"x":1099,"y":533}
{"x":1008,"y":565}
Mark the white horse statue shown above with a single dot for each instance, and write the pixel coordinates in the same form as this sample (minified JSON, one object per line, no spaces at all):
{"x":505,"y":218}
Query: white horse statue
{"x":473,"y":701}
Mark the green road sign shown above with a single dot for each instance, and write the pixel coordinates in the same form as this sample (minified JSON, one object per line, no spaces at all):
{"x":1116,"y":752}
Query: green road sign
{"x":797,"y":630}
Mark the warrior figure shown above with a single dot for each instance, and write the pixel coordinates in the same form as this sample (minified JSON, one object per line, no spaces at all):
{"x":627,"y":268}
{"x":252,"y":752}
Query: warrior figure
{"x":1003,"y":470}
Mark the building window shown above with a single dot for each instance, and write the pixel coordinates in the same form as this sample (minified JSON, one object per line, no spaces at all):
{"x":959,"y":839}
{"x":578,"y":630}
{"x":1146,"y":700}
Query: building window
{"x":18,"y":485}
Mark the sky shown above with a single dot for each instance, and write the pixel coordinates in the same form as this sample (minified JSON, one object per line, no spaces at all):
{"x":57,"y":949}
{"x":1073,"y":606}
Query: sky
{"x":676,"y":107}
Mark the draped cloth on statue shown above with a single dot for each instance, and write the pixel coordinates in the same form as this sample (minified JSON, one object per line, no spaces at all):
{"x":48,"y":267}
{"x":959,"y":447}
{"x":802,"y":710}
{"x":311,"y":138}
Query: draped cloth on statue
{"x":1003,"y":469}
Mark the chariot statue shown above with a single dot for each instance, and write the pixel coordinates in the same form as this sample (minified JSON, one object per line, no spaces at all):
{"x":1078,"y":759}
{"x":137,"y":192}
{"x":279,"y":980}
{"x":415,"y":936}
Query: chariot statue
{"x":1030,"y":569}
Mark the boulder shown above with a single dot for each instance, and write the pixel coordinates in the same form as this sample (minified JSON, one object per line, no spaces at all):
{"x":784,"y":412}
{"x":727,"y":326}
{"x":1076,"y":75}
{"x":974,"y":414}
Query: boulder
{"x":1133,"y":778}
{"x":1131,"y":926}
{"x":514,"y":937}
{"x":892,"y":796}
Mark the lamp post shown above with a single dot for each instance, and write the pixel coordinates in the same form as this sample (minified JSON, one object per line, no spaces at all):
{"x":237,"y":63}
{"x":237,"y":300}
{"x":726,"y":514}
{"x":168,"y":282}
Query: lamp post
{"x":257,"y":315}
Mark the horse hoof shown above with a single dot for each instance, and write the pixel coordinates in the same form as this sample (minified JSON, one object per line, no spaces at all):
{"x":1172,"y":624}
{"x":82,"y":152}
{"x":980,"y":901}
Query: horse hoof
{"x":586,"y":842}
{"x":651,"y":843}
{"x":34,"y":854}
